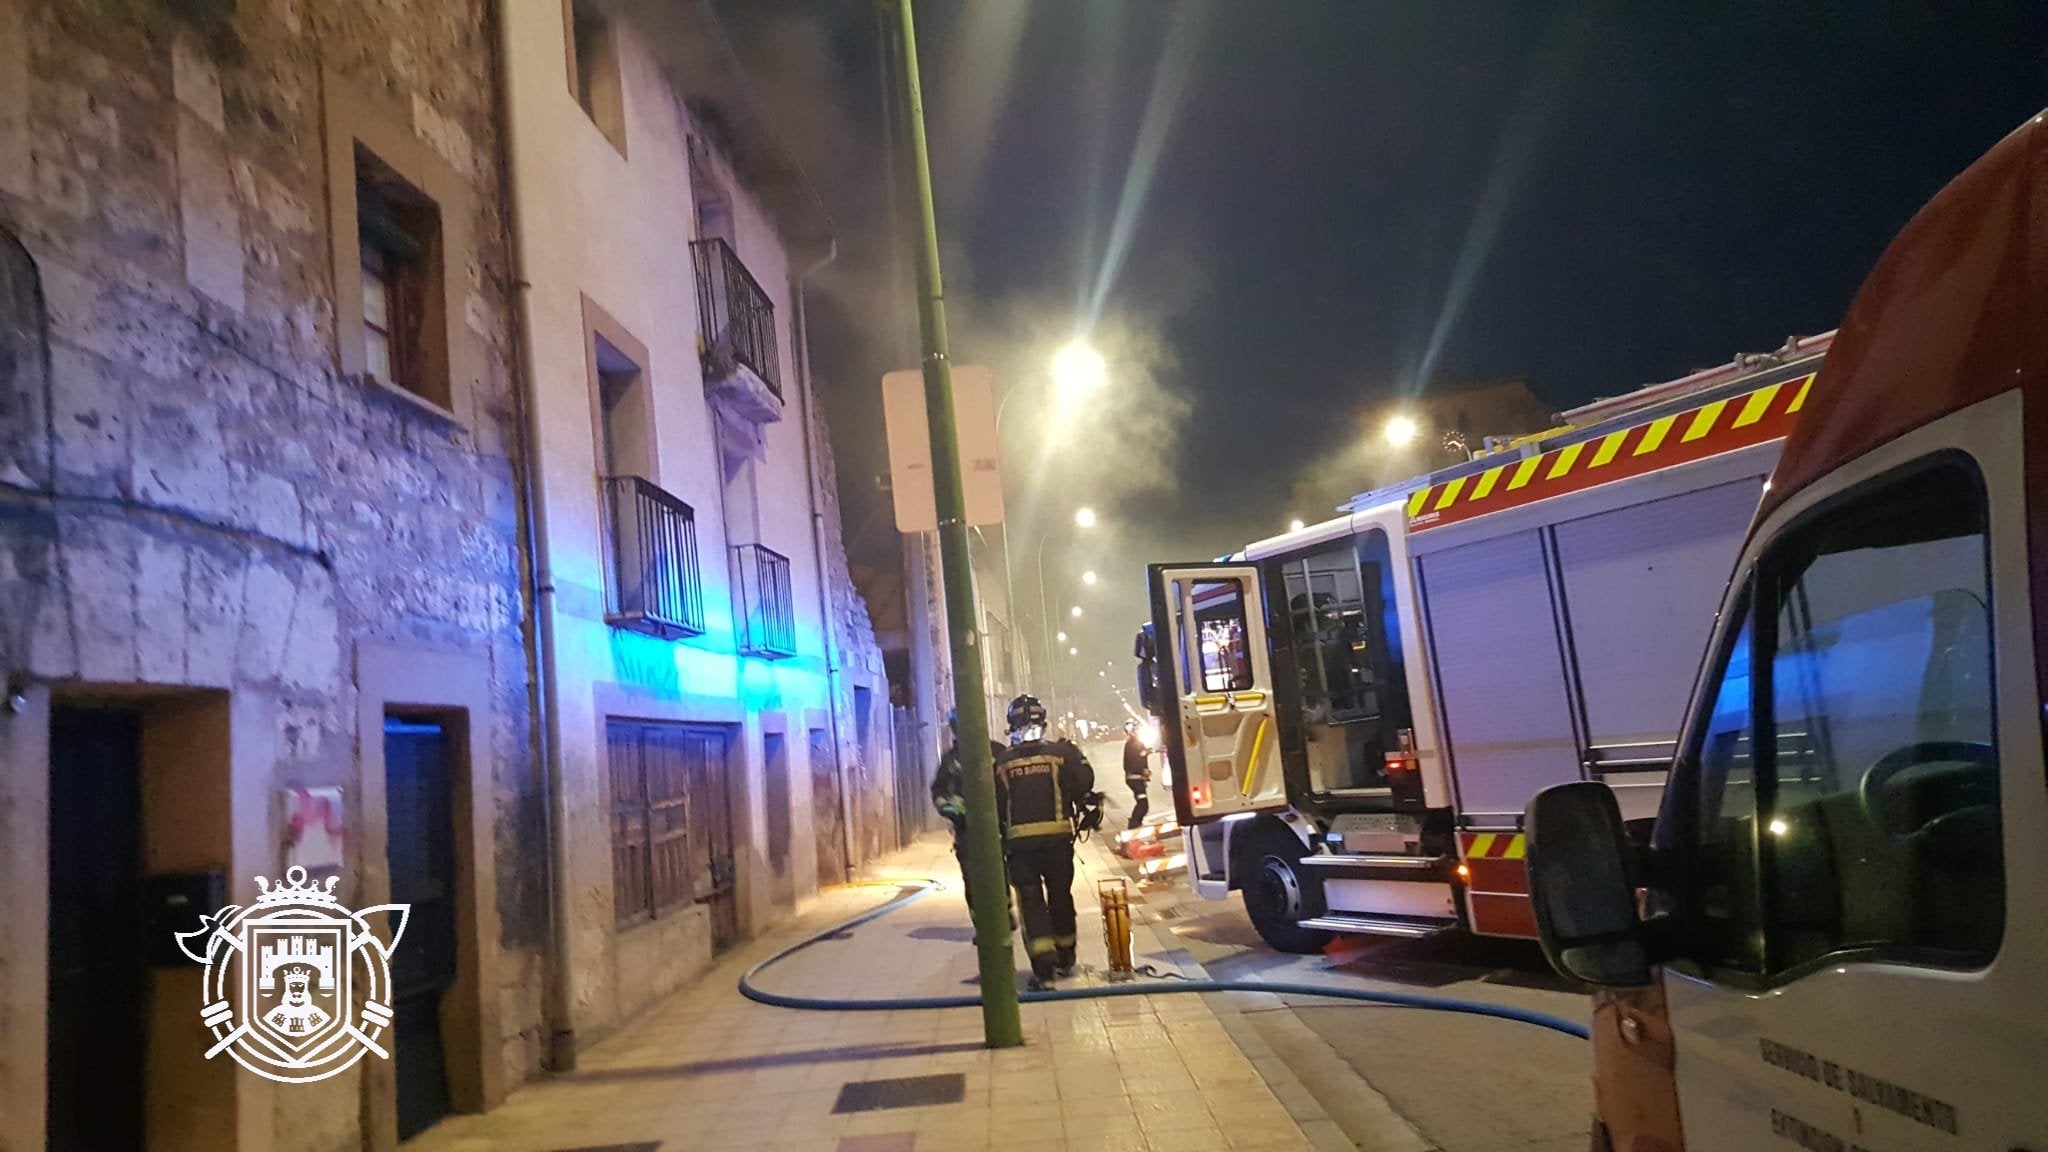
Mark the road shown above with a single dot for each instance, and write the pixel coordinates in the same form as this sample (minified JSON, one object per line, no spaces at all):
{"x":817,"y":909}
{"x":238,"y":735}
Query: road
{"x":1465,"y":1083}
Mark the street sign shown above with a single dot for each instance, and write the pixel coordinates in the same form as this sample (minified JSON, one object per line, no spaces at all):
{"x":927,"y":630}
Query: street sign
{"x":910,"y":448}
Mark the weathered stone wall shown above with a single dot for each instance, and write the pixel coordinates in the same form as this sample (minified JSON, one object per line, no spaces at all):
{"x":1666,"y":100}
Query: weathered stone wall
{"x":193,"y":496}
{"x":870,"y":773}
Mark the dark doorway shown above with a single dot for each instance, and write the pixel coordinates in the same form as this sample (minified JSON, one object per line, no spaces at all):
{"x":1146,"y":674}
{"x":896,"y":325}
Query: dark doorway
{"x":99,"y":993}
{"x":420,"y":801}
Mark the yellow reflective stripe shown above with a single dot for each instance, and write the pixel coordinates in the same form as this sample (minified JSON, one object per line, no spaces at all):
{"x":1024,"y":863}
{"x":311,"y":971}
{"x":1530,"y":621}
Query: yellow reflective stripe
{"x":1565,"y":459}
{"x":1799,"y":401}
{"x":1251,"y":769}
{"x":1450,"y":495}
{"x":1759,"y":402}
{"x":1703,"y":421}
{"x":1040,"y":945}
{"x":1487,"y":479}
{"x":1517,"y":848}
{"x":1654,"y":436}
{"x":1416,"y":502}
{"x":1480,"y":844}
{"x":1040,"y":828}
{"x":1066,"y":941}
{"x":1523,"y":472}
{"x":1610,"y":446}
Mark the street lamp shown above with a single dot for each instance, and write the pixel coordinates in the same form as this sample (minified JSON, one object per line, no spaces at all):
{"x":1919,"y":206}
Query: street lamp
{"x":1401,"y":431}
{"x":1083,"y":518}
{"x":1075,"y":611}
{"x":1073,"y":651}
{"x":1088,"y":577}
{"x":1077,"y":370}
{"x":1062,"y":637}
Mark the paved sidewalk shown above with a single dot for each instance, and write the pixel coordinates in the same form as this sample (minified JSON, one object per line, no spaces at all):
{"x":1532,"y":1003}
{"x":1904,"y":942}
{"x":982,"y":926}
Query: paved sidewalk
{"x":709,"y":1069}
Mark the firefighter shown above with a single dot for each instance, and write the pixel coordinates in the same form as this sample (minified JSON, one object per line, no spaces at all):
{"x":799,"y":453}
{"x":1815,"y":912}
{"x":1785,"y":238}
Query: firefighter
{"x":949,"y":796}
{"x":1044,"y":789}
{"x":1137,"y":771}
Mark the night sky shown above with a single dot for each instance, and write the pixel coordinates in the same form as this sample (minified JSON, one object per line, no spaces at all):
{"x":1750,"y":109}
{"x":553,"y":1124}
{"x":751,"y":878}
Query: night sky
{"x":1328,"y":204}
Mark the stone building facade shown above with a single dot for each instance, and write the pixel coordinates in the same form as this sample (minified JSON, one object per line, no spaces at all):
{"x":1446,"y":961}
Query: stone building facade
{"x":266,"y":538}
{"x":721,"y":703}
{"x":250,"y":573}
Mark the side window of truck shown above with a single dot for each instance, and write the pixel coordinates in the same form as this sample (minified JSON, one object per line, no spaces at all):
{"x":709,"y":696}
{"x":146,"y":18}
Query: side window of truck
{"x":1221,"y":650}
{"x":1869,"y":822}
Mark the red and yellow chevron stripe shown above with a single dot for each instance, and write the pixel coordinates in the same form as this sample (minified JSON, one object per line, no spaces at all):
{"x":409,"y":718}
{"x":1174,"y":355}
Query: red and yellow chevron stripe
{"x":1495,"y":845}
{"x":1709,"y":430}
{"x":1496,"y":876}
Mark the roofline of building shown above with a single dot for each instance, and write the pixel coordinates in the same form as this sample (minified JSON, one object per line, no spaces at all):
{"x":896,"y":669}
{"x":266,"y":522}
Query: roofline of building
{"x":689,"y":43}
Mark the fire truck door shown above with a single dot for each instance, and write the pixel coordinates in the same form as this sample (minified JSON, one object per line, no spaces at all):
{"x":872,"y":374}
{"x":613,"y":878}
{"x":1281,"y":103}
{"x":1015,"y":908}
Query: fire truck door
{"x":1216,"y":690}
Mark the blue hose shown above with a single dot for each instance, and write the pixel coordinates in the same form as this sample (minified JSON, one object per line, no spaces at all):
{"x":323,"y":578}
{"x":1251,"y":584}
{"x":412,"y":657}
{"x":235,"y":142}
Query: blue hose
{"x":917,"y":889}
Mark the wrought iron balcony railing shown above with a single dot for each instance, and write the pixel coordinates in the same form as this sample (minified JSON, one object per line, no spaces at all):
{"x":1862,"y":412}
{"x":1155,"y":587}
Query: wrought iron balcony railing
{"x":766,"y":615}
{"x":734,"y":316}
{"x":652,"y":580}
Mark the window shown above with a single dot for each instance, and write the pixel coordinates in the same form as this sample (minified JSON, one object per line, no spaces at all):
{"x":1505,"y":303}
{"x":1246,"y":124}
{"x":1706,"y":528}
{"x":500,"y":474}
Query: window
{"x":1221,"y":647}
{"x":1869,"y":821}
{"x":1343,"y":634}
{"x":594,"y":69}
{"x":400,"y":220}
{"x":399,"y":227}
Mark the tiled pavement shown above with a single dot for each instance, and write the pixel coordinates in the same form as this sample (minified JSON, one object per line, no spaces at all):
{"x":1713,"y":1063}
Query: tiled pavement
{"x":711,"y":1070}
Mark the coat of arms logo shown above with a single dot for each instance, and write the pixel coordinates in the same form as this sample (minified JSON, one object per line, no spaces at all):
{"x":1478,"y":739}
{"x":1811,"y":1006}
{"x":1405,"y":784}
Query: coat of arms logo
{"x":297,"y":986}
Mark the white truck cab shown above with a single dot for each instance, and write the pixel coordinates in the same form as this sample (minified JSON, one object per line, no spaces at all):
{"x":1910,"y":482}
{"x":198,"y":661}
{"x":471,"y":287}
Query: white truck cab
{"x":1836,"y":938}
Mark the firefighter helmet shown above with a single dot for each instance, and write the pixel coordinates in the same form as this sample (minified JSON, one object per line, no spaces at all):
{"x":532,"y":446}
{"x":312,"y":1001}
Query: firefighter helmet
{"x":1026,"y":712}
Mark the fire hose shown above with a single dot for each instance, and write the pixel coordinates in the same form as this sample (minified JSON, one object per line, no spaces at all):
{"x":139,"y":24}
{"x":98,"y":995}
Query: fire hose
{"x":913,"y":890}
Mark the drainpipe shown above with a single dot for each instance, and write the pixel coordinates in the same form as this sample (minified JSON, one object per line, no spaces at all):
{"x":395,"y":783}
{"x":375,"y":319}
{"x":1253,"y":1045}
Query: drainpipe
{"x":800,"y":345}
{"x":544,"y":689}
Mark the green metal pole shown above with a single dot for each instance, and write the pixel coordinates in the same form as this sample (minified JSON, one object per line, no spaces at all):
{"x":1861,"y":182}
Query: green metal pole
{"x":1000,"y":1023}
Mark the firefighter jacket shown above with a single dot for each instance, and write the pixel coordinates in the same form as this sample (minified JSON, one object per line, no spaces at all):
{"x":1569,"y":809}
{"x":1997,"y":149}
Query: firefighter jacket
{"x":1038,"y":785}
{"x":949,"y":792}
{"x":1137,"y":760}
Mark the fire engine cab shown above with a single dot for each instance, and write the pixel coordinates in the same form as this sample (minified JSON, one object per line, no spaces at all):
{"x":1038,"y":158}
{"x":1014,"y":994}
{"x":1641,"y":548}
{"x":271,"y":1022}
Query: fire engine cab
{"x":1357,"y":713}
{"x":1836,"y":939}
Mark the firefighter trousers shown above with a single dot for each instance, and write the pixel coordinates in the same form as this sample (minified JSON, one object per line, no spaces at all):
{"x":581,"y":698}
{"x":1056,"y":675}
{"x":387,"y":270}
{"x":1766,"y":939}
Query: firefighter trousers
{"x":1042,"y":871}
{"x":1141,"y":804}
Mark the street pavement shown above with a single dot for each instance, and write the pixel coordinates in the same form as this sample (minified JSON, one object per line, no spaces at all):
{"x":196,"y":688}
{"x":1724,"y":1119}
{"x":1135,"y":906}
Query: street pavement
{"x":1462,"y":1083}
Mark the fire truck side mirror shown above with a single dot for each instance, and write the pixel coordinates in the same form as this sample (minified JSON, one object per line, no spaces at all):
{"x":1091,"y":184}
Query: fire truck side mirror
{"x":1580,"y":885}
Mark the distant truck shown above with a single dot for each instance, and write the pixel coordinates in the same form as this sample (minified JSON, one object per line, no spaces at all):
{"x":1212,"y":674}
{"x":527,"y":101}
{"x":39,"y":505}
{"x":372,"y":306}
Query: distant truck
{"x":1836,"y":939}
{"x":1356,"y":713}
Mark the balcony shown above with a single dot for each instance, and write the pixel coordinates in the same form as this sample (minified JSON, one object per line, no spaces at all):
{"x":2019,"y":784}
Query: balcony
{"x":652,"y":582}
{"x":766,"y":617}
{"x":737,"y":326}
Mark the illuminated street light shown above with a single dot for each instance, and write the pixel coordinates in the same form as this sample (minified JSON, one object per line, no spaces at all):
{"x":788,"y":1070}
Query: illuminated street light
{"x":1295,"y":525}
{"x":1073,"y":651}
{"x":1088,"y":577}
{"x":1100,"y":672}
{"x":1084,"y":518}
{"x":1078,"y":370}
{"x":1062,"y":637}
{"x":1401,"y":431}
{"x":1076,"y":612}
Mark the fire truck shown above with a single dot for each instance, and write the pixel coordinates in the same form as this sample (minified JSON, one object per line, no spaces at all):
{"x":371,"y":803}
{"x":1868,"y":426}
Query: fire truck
{"x":1356,"y":713}
{"x":1835,"y":939}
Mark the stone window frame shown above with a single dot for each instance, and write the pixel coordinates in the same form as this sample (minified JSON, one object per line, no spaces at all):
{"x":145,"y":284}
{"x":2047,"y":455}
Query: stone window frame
{"x":353,"y":118}
{"x":604,"y":106}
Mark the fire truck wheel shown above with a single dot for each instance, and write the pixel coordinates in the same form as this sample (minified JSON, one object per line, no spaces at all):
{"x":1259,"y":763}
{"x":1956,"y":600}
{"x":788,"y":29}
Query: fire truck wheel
{"x":1277,"y":895}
